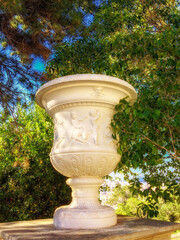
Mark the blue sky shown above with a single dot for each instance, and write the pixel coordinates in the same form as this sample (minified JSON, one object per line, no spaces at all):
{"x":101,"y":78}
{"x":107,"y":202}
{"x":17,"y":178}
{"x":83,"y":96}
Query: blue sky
{"x":39,"y":65}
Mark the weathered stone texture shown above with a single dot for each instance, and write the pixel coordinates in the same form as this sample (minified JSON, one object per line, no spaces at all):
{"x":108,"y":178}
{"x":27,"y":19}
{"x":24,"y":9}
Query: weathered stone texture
{"x":128,"y":228}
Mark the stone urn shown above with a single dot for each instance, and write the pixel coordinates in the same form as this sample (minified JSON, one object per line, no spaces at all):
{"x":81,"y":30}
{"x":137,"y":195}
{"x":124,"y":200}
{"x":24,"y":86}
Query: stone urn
{"x":82,"y":107}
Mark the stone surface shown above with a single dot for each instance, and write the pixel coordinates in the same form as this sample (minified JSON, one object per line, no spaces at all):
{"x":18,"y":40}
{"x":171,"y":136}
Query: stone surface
{"x":128,"y":228}
{"x":82,"y":107}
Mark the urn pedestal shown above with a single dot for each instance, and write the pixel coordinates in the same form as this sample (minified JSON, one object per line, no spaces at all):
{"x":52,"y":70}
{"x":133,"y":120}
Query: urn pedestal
{"x":82,"y":107}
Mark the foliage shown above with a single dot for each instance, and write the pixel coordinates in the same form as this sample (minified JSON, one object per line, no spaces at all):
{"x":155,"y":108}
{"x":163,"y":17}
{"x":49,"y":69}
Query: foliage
{"x":129,"y":208}
{"x":29,"y":28}
{"x":18,"y":82}
{"x":119,"y":195}
{"x":30,"y":188}
{"x":168,"y":211}
{"x":138,"y":42}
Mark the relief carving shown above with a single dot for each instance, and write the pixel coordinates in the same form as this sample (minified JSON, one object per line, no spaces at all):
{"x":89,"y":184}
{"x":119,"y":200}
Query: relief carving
{"x":60,"y":135}
{"x":73,"y":131}
{"x":84,"y":164}
{"x":93,"y":118}
{"x":79,"y":134}
{"x":97,"y":92}
{"x":108,"y":131}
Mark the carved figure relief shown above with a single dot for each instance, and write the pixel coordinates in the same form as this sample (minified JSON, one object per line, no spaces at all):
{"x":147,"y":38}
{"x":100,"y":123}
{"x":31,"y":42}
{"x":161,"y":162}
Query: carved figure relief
{"x":79,"y":134}
{"x":107,"y":131}
{"x":93,"y":118}
{"x":90,"y":130}
{"x":59,"y":131}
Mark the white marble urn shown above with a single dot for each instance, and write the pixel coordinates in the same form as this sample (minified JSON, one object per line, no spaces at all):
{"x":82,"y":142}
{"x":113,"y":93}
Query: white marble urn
{"x":82,"y":107}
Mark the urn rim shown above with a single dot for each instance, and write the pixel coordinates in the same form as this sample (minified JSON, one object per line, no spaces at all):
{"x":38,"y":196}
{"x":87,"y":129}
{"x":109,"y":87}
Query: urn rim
{"x":79,"y":78}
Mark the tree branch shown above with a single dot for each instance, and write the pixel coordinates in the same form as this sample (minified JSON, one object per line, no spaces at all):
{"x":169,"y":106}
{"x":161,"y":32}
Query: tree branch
{"x":161,"y":147}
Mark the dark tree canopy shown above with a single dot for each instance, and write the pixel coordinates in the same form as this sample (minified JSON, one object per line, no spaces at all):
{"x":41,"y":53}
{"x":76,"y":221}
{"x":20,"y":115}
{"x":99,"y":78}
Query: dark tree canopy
{"x":29,"y":28}
{"x":17,"y":82}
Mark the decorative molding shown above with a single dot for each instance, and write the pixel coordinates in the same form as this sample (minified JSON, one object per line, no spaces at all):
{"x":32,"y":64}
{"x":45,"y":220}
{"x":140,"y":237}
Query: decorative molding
{"x":85,"y":164}
{"x":60,"y":107}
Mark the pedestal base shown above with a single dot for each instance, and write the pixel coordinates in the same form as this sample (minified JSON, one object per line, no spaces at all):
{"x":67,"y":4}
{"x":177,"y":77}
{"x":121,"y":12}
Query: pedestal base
{"x":85,"y":211}
{"x":70,"y":218}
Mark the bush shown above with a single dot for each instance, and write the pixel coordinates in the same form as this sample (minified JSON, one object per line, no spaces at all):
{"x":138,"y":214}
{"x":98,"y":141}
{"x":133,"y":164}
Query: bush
{"x":30,"y":188}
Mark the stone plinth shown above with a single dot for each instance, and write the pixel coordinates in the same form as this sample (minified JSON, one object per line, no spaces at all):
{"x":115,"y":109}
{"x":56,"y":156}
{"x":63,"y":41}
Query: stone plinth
{"x":128,"y":228}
